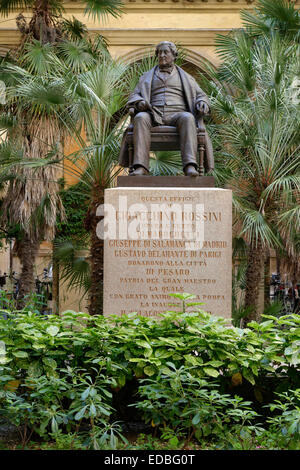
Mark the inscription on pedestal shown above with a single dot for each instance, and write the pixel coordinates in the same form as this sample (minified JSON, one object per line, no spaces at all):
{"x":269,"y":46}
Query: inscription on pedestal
{"x":145,"y":260}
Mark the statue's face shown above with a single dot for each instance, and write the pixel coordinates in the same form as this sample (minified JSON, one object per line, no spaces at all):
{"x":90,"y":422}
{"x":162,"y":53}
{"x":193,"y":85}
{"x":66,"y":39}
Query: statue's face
{"x":165,"y":56}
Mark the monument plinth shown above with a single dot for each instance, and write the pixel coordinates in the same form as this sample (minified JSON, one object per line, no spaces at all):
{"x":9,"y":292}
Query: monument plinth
{"x":166,"y":182}
{"x":167,"y":240}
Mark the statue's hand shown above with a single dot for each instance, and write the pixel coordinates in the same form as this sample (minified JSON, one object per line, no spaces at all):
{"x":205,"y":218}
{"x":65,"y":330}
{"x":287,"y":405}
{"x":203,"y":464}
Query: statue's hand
{"x":202,"y":107}
{"x":142,"y":106}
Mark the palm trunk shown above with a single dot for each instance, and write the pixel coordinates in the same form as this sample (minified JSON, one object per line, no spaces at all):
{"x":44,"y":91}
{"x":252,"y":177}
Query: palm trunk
{"x":256,"y":259}
{"x":278,"y":263}
{"x":267,"y":280}
{"x":55,"y":286}
{"x":43,"y":25}
{"x":96,"y":255}
{"x":27,"y":250}
{"x":42,"y":22}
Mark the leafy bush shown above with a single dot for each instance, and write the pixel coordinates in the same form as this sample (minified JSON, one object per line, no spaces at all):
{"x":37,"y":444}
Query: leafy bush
{"x":78,"y":373}
{"x":178,"y":399}
{"x":284,"y":429}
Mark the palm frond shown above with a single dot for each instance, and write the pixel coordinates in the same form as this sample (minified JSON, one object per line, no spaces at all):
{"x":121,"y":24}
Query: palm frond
{"x":269,"y":16}
{"x":38,"y":57}
{"x":257,"y":229}
{"x":75,"y":268}
{"x":76,"y":55}
{"x":102,"y":9}
{"x":73,"y":28}
{"x":282,"y":11}
{"x":56,"y":7}
{"x":239,"y":248}
{"x":165,"y":163}
{"x":10,"y":6}
{"x":10,"y":154}
{"x":289,"y":184}
{"x":289,"y":220}
{"x":8,"y":122}
{"x":255,"y":24}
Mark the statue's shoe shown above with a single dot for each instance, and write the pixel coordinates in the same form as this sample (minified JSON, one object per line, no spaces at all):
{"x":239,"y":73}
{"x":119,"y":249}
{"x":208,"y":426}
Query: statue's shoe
{"x":210,"y":172}
{"x":140,"y":171}
{"x":190,"y":170}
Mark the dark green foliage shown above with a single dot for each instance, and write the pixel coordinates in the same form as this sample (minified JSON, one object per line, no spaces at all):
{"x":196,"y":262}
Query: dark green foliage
{"x":101,"y":9}
{"x":9,"y":6}
{"x":185,"y":403}
{"x":165,"y":164}
{"x":72,"y":239}
{"x":189,"y":371}
{"x":273,"y":15}
{"x":75,"y":202}
{"x":74,"y":28}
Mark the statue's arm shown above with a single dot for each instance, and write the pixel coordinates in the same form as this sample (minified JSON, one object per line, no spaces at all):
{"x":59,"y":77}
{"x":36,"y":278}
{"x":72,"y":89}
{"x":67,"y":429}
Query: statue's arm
{"x":135,"y":97}
{"x":202,"y":101}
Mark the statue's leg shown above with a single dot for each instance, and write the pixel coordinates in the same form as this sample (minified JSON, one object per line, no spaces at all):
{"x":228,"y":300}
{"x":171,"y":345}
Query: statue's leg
{"x":141,"y":140}
{"x":186,"y":126}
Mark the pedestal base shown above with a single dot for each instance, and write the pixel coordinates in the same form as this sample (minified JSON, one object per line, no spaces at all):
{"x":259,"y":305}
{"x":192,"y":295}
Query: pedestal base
{"x":140,"y":273}
{"x":165,"y":181}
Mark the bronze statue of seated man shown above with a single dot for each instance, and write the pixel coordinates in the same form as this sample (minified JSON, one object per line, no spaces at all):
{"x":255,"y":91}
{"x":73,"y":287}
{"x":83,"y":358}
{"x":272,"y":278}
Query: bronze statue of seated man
{"x":167,"y":95}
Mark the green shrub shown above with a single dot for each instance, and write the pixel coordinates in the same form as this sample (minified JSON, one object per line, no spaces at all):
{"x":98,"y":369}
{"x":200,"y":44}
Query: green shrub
{"x":178,"y":399}
{"x":74,"y":371}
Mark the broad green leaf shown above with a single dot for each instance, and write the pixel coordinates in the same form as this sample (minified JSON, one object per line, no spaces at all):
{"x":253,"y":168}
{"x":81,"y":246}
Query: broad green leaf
{"x":174,"y":441}
{"x":163,"y":353}
{"x":38,"y":346}
{"x":80,"y":414}
{"x":20,"y":354}
{"x":35,"y":369}
{"x":103,"y":411}
{"x":149,"y":370}
{"x":85,"y":394}
{"x":49,"y":362}
{"x":183,"y":296}
{"x":4,"y":360}
{"x":248,"y":375}
{"x":52,"y":330}
{"x":93,"y":411}
{"x":196,"y":419}
{"x":216,"y":363}
{"x":121,"y":380}
{"x":195,"y":361}
{"x":143,"y":343}
{"x":211,"y":372}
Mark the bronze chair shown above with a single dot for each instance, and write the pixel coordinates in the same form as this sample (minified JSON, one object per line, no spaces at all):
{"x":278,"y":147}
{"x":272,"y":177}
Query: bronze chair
{"x":167,"y":138}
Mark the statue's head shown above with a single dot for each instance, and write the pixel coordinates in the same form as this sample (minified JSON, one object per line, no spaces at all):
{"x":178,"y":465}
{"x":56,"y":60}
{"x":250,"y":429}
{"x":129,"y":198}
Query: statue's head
{"x":167,"y":53}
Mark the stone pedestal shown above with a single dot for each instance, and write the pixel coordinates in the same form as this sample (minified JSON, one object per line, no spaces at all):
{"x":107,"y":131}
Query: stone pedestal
{"x":167,"y":240}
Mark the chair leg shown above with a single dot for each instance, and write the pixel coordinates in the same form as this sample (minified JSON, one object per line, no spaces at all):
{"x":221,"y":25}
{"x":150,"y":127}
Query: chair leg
{"x":201,"y":159}
{"x":130,"y":153}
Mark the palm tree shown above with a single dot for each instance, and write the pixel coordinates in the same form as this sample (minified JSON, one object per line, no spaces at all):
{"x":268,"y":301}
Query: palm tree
{"x":34,"y":193}
{"x":93,"y":96}
{"x":273,"y":16}
{"x":33,"y":98}
{"x":46,"y":24}
{"x":259,"y":129}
